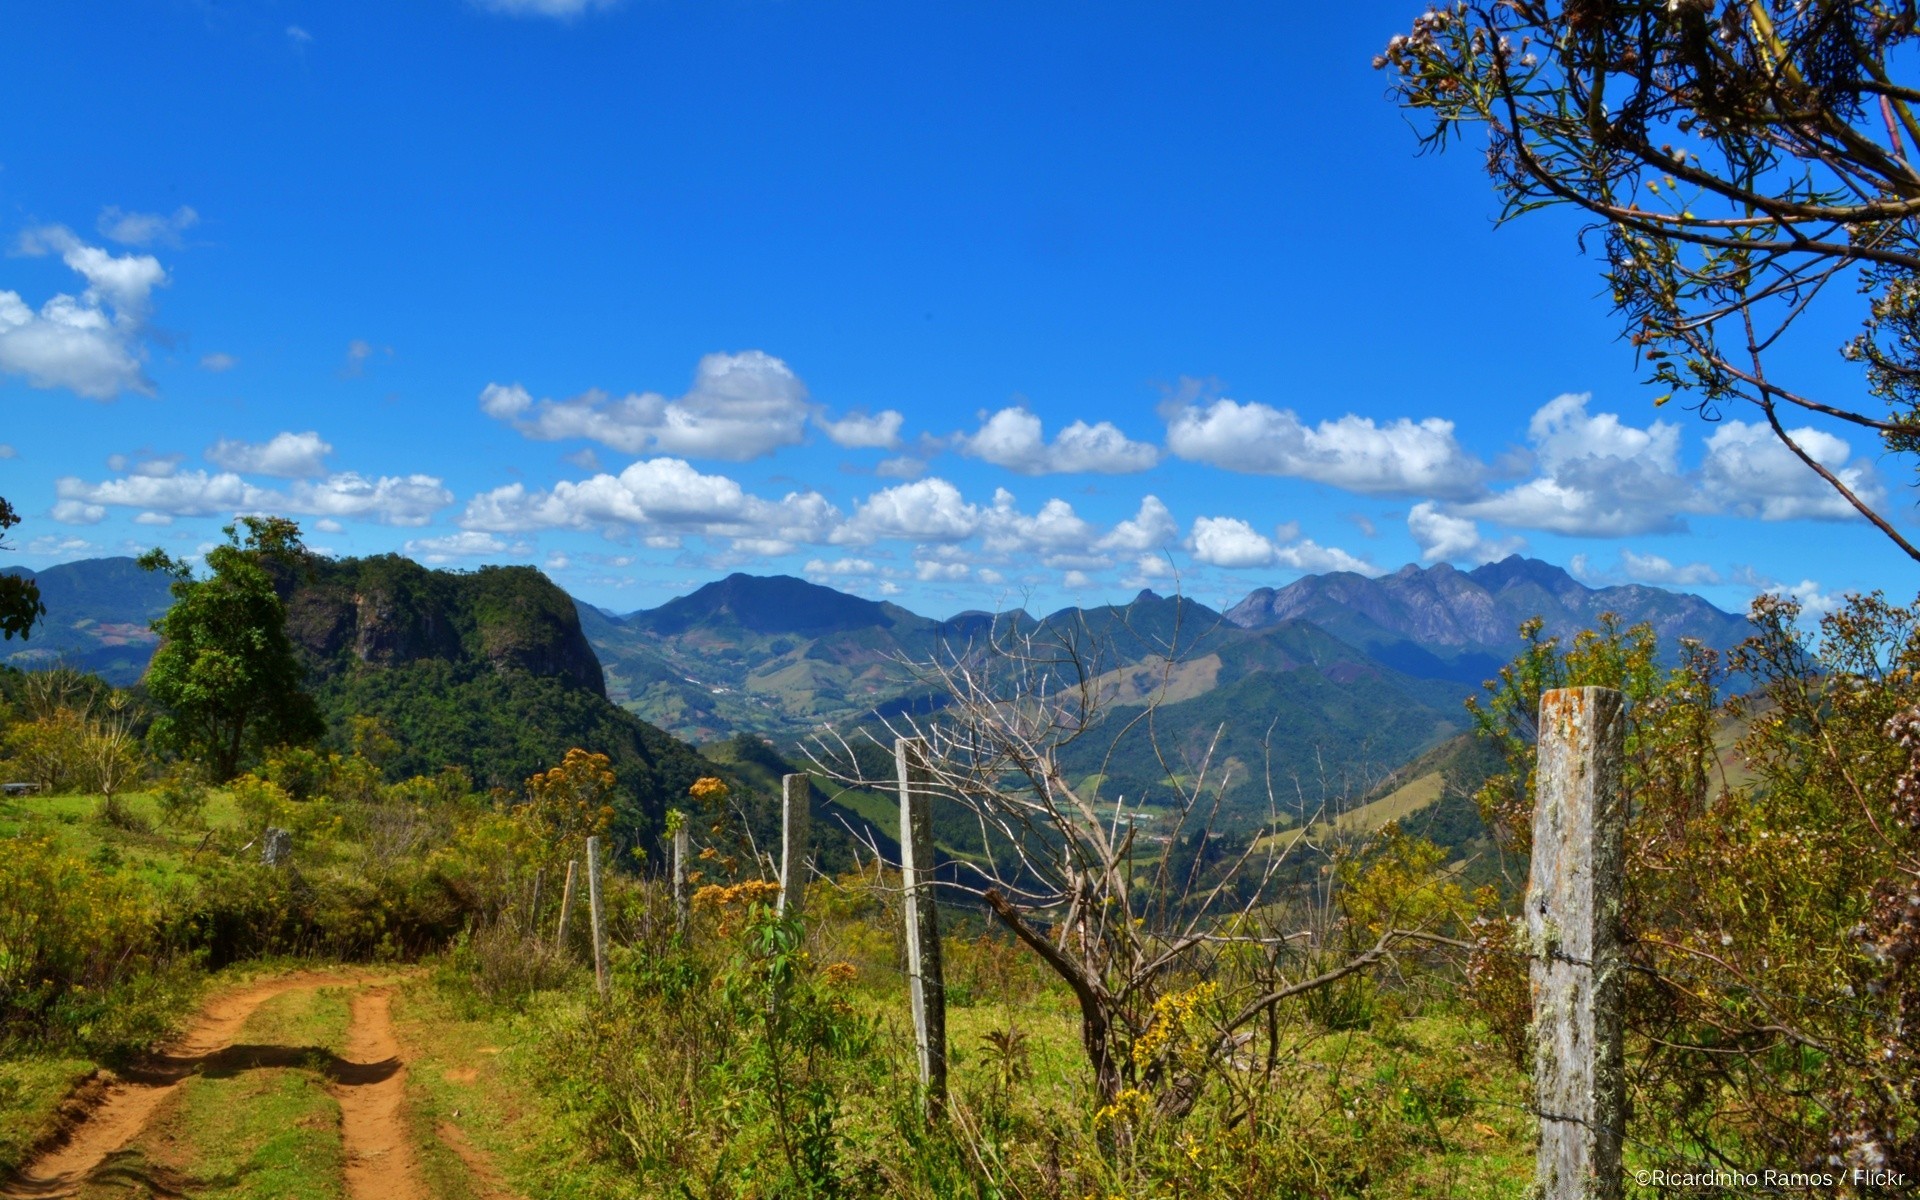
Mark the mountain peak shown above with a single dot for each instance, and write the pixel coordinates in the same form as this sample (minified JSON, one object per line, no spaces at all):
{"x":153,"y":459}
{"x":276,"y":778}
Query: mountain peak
{"x":765,"y":604}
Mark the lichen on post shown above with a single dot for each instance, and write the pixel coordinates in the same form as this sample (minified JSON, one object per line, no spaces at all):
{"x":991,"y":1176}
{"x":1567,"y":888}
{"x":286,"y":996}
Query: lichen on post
{"x":1573,"y":914}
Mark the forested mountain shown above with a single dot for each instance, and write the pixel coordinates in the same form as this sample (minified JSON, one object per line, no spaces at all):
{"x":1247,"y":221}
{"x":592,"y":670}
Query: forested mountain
{"x":1317,"y":689}
{"x":97,"y":615}
{"x":486,"y":670}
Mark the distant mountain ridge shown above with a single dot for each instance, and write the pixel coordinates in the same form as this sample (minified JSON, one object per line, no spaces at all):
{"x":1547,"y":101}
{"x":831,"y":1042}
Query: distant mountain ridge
{"x":98,"y":612}
{"x":1445,"y":623}
{"x":1336,"y":671}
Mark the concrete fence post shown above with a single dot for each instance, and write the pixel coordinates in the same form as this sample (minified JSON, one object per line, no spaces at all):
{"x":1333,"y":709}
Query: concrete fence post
{"x":796,"y":848}
{"x":1573,"y":913}
{"x":926,"y":986}
{"x":599,"y":916}
{"x":680,"y":855}
{"x":566,"y":905}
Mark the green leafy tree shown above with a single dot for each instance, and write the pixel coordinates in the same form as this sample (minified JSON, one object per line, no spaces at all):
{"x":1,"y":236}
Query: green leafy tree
{"x":1741,"y":163}
{"x":20,"y":604}
{"x":225,"y":674}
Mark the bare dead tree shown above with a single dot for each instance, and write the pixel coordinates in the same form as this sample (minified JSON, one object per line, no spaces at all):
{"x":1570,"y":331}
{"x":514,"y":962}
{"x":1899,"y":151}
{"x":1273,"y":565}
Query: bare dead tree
{"x":1104,"y":891}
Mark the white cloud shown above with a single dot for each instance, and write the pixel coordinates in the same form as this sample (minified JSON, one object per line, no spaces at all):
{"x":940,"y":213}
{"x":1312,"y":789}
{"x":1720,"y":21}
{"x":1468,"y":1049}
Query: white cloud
{"x":584,"y":458}
{"x":1396,"y":457}
{"x":928,"y":510}
{"x":937,"y":572}
{"x":1309,"y":555}
{"x":90,"y":344}
{"x":1652,"y":568}
{"x":557,"y":561}
{"x":1152,"y":528}
{"x":1013,"y":438}
{"x":1229,"y":542}
{"x":1598,"y":477}
{"x":145,"y":229}
{"x":465,"y":544}
{"x":152,"y":518}
{"x":561,"y":9}
{"x":663,"y":494}
{"x":298,"y":36}
{"x":901,"y":467}
{"x":740,"y":406}
{"x":839,"y":568}
{"x":7,"y":451}
{"x":77,"y":512}
{"x":1232,"y":543}
{"x":144,"y":462}
{"x":1454,"y":539}
{"x":329,"y":525}
{"x":1054,"y":534}
{"x":392,"y":500}
{"x":858,"y":431}
{"x":1750,"y":472}
{"x":63,"y":547}
{"x":1814,"y":603}
{"x":218,"y":363}
{"x":287,"y":455}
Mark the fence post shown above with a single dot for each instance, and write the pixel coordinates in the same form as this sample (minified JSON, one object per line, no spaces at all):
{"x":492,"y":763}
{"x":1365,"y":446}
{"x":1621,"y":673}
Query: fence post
{"x":533,"y":909}
{"x":1573,"y":910}
{"x":566,"y":905}
{"x":680,"y":850}
{"x":926,"y":985}
{"x":599,"y":916}
{"x":795,"y":843}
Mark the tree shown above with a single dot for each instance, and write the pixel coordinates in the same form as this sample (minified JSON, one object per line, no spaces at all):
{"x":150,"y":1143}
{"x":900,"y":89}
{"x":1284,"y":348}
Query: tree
{"x":1177,"y":938}
{"x":225,"y":673}
{"x":1742,"y":161}
{"x":20,"y":604}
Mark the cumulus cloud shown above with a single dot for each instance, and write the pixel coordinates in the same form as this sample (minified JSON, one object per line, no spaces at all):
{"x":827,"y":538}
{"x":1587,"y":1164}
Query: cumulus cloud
{"x":1455,"y":539}
{"x":665,"y":495}
{"x":839,"y":568}
{"x":393,"y":500}
{"x":467,"y":543}
{"x":1749,"y":471}
{"x":90,"y":344}
{"x":1229,"y":542}
{"x":287,"y":455}
{"x":1151,"y":528}
{"x":1236,"y":545}
{"x":929,"y":510}
{"x":1014,"y":438}
{"x":858,"y":431}
{"x":145,"y":229}
{"x":1398,"y":457}
{"x":1596,"y":476}
{"x":740,"y":406}
{"x":76,"y":512}
{"x":1652,"y":568}
{"x":901,"y":467}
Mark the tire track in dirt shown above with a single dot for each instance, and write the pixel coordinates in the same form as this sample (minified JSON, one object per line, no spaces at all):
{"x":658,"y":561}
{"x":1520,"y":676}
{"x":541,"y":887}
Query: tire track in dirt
{"x":126,"y":1105}
{"x":371,"y":1087}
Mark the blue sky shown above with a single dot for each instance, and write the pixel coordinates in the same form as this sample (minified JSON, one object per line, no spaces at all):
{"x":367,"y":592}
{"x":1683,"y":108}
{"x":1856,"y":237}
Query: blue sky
{"x":956,"y":305}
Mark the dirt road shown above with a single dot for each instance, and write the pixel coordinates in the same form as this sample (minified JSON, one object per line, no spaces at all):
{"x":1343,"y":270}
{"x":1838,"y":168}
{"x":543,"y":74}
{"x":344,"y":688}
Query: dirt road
{"x":367,"y":1078}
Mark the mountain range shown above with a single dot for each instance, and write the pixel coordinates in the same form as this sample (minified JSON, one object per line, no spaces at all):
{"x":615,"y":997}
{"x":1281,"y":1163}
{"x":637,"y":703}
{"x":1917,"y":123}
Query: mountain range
{"x":1320,"y":688}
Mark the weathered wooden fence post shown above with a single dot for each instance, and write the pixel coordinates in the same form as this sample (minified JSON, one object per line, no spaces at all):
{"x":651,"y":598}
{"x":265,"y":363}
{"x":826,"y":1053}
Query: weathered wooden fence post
{"x":533,"y":907}
{"x":599,"y":916}
{"x":795,"y":843}
{"x":1573,"y":908}
{"x":926,"y":985}
{"x":566,"y":905}
{"x":680,"y":851}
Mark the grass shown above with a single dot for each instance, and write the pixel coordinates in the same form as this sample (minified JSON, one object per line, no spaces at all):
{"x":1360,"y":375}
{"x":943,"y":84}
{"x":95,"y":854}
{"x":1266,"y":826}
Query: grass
{"x":31,"y":1089}
{"x":246,"y":1129}
{"x":159,"y":854}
